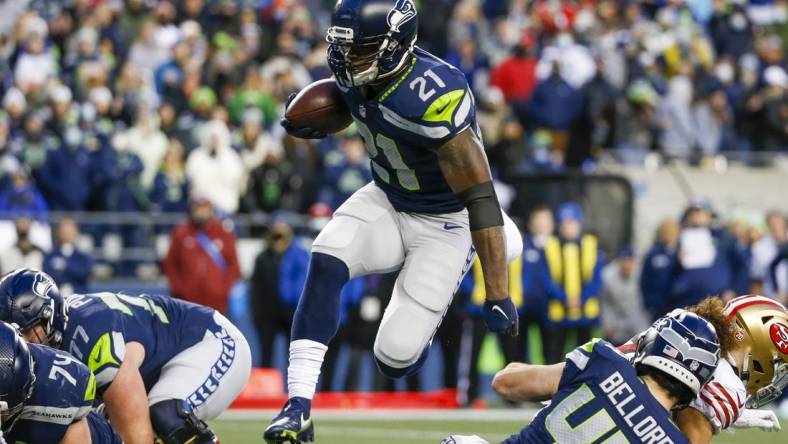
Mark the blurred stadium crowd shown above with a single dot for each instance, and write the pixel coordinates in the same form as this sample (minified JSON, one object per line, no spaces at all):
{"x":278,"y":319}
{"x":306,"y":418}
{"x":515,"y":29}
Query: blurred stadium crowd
{"x":164,"y":107}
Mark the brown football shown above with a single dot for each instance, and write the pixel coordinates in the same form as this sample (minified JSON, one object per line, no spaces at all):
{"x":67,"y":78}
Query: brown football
{"x":319,"y":106}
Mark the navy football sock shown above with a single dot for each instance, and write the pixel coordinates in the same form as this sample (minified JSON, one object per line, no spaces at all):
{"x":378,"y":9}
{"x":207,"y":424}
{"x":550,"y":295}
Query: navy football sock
{"x":317,"y":315}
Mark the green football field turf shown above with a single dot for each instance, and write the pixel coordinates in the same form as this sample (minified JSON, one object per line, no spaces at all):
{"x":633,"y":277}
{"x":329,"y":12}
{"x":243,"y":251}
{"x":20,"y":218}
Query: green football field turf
{"x":393,"y":430}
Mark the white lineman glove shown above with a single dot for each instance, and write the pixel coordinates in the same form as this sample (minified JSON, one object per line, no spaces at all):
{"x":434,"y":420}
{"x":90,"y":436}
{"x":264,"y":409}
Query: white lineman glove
{"x":763,"y":419}
{"x":460,"y":439}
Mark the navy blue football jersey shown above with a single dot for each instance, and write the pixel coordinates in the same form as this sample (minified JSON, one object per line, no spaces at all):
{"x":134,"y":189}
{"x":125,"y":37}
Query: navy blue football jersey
{"x":402,"y":126}
{"x":100,"y":324}
{"x":600,"y":399}
{"x":63,"y":394}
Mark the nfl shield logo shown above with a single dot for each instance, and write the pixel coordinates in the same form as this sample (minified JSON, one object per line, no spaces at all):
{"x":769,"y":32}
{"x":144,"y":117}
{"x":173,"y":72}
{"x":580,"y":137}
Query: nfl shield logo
{"x":362,"y":111}
{"x":694,"y":365}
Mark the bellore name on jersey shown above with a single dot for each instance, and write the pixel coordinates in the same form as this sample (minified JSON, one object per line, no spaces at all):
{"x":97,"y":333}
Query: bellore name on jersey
{"x":634,"y":412}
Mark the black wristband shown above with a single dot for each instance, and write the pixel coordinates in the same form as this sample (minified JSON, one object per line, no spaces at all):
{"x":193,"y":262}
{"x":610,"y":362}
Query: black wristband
{"x":484,"y":211}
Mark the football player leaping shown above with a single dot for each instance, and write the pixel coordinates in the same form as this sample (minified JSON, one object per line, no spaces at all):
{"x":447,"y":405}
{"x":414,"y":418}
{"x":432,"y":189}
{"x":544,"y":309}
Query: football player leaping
{"x":431,"y":208}
{"x":47,"y":396}
{"x":163,"y":366}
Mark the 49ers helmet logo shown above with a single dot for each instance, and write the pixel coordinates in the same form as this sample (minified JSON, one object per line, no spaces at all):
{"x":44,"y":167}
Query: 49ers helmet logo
{"x":779,"y":334}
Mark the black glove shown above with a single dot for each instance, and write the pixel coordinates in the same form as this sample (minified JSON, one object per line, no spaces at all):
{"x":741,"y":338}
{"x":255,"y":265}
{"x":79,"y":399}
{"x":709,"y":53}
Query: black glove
{"x":301,"y":133}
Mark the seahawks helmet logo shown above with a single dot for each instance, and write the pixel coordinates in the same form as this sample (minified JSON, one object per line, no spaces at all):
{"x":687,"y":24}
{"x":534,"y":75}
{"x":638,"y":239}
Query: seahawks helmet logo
{"x":403,"y":12}
{"x":41,"y":286}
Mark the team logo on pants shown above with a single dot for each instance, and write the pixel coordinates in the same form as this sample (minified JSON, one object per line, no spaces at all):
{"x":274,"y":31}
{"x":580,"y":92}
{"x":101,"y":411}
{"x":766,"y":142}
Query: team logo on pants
{"x":218,"y":370}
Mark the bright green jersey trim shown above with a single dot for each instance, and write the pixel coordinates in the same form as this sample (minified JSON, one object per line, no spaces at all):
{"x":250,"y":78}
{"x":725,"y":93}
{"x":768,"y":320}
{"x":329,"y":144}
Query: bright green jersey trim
{"x":90,"y":391}
{"x":442,"y":108}
{"x":589,"y":346}
{"x":101,"y":354}
{"x":399,"y":81}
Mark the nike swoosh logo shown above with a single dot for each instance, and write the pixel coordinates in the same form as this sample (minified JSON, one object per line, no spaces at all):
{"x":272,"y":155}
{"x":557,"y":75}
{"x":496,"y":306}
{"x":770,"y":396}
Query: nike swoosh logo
{"x":305,"y":423}
{"x":450,"y":226}
{"x":500,"y":310}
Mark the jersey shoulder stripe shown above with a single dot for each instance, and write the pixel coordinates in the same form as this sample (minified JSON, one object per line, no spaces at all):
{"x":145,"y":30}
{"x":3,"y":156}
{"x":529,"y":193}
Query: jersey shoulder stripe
{"x":722,"y":400}
{"x":431,"y":99}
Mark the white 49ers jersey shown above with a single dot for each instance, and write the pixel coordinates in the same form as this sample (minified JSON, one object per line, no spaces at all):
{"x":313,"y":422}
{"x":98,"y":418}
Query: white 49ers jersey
{"x":721,"y":400}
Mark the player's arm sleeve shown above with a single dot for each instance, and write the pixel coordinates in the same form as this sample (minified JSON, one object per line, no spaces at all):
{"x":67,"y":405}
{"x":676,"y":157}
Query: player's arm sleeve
{"x":577,"y":361}
{"x":720,"y":403}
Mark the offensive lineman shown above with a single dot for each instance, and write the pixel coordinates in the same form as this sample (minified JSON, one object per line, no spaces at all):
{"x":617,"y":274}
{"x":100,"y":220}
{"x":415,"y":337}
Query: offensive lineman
{"x":48,"y":396}
{"x":598,"y":395}
{"x":431,"y":208}
{"x":163,"y":366}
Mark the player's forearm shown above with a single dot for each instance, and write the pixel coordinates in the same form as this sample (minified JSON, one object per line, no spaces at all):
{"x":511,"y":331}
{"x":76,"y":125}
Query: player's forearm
{"x":126,"y":399}
{"x":525,"y":382}
{"x":491,"y":248}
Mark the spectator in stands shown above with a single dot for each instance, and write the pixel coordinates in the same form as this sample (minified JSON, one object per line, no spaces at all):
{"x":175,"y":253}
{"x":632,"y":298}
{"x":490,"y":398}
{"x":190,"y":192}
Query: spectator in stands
{"x":66,"y":175}
{"x":473,"y":64}
{"x":678,"y":136}
{"x":170,"y":192}
{"x":778,"y":271}
{"x":637,"y":123}
{"x":66,"y":263}
{"x":36,"y":62}
{"x":22,"y":198}
{"x":575,"y":263}
{"x":24,"y":253}
{"x":712,"y":119}
{"x":272,"y":314}
{"x":710,"y":261}
{"x":765,"y":250}
{"x":33,"y":145}
{"x":253,"y":93}
{"x":345,"y":171}
{"x":201,"y":264}
{"x":149,"y":144}
{"x":516,"y":76}
{"x":774,"y":129}
{"x":555,"y":106}
{"x":536,"y":276}
{"x":623,"y":315}
{"x":215,"y":170}
{"x":255,"y":143}
{"x":659,"y":269}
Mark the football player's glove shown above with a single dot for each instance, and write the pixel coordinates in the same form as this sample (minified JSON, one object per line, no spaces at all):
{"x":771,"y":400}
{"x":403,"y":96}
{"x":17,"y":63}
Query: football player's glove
{"x":501,"y":316}
{"x":765,"y":420}
{"x":301,"y":133}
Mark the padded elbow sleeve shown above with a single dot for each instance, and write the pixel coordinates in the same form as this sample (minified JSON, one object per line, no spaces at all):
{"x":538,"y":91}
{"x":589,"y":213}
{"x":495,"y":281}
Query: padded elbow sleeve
{"x":484,"y":211}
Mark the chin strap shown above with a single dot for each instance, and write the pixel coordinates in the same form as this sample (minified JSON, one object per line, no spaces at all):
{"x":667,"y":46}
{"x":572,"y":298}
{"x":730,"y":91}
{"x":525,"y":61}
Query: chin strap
{"x":767,"y":394}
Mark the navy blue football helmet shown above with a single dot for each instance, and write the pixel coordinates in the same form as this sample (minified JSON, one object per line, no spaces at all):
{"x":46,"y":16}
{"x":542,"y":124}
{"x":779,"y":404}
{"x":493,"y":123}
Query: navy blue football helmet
{"x":370,"y":39}
{"x":16,"y":373}
{"x":682,"y":345}
{"x":29,"y":297}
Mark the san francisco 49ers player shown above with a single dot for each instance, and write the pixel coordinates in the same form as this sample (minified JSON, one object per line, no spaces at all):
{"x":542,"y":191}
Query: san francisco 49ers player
{"x":754,"y":374}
